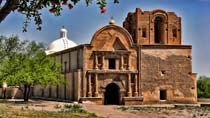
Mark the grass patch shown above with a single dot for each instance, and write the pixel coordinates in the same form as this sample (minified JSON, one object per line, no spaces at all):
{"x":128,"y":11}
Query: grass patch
{"x":123,"y":108}
{"x":44,"y":114}
{"x":73,"y":108}
{"x":69,"y":111}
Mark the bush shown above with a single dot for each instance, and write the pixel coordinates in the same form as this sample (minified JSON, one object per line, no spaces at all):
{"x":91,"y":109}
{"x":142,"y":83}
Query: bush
{"x":123,"y":108}
{"x":73,"y":108}
{"x":203,"y":87}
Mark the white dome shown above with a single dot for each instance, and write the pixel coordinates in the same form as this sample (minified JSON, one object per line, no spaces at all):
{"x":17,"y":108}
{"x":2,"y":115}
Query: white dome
{"x":112,"y":22}
{"x":60,"y":44}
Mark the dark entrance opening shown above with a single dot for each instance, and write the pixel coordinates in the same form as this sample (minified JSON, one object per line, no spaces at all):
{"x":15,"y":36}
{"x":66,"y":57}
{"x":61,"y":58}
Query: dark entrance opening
{"x":112,"y":95}
{"x":159,"y":31}
{"x":163,"y":94}
{"x":111,"y":63}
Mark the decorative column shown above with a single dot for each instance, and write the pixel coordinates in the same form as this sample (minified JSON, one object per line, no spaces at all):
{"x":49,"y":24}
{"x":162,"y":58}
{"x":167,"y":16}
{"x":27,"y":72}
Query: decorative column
{"x":102,"y":63}
{"x":89,"y":86}
{"x":121,"y":62}
{"x":136,"y":86}
{"x":96,"y":61}
{"x":65,"y":71}
{"x":96,"y":85}
{"x":84,"y":84}
{"x":129,"y":62}
{"x":129,"y":85}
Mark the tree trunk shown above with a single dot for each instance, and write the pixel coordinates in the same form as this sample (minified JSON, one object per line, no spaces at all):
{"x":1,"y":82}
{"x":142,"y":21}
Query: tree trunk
{"x":27,"y":89}
{"x":28,"y":92}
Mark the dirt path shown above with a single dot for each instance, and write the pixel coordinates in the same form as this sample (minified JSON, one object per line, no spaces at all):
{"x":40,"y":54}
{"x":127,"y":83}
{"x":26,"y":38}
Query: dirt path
{"x":111,"y":111}
{"x":108,"y":111}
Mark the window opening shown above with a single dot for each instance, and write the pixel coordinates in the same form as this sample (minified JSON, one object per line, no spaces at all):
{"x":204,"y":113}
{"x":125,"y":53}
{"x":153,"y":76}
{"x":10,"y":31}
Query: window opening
{"x":112,"y":64}
{"x":163,"y":95}
{"x":159,"y":30}
{"x":144,"y":33}
{"x":174,"y":31}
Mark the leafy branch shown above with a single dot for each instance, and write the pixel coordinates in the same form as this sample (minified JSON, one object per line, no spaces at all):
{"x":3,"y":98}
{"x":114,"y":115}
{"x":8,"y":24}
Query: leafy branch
{"x":31,"y":8}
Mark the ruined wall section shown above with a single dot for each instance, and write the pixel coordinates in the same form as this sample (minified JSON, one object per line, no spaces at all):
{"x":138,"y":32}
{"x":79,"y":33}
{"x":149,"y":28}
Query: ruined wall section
{"x":169,"y":69}
{"x":141,"y":25}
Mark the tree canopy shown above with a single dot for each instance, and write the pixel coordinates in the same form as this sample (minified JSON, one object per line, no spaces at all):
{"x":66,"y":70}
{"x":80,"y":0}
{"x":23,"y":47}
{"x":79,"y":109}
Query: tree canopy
{"x":203,"y":87}
{"x":25,"y":64}
{"x":31,"y":8}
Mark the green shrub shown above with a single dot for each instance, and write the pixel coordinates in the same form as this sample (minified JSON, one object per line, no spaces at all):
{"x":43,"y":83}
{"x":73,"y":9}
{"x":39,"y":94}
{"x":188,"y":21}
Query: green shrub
{"x":203,"y":87}
{"x":123,"y":108}
{"x":73,"y":108}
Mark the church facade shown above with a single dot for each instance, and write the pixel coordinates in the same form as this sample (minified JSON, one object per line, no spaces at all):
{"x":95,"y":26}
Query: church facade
{"x":141,"y":62}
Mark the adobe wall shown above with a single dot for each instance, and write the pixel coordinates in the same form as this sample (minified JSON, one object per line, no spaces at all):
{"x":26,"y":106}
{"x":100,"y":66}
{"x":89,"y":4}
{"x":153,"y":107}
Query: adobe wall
{"x":144,"y":21}
{"x":119,"y":79}
{"x":11,"y":92}
{"x":105,"y":40}
{"x":110,"y":41}
{"x":170,"y":69}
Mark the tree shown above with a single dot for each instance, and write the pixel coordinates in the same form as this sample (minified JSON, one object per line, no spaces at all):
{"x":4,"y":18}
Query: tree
{"x":203,"y":87}
{"x":31,"y":8}
{"x":28,"y":66}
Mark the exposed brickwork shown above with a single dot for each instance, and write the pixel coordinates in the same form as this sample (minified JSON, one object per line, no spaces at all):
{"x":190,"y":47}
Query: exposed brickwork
{"x":170,"y":70}
{"x":141,"y":25}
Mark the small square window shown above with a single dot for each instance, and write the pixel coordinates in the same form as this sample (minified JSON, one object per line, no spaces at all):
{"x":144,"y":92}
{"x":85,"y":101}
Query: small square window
{"x":125,"y":59}
{"x":99,"y":60}
{"x":112,"y":64}
{"x":144,"y":33}
{"x":174,"y":31}
{"x":163,"y":95}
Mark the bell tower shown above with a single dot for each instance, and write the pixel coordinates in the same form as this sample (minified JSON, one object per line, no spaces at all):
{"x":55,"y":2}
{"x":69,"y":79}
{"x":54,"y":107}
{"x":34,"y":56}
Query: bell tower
{"x":155,"y":27}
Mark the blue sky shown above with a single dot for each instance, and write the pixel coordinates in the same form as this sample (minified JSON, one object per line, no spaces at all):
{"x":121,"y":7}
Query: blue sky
{"x":82,"y":22}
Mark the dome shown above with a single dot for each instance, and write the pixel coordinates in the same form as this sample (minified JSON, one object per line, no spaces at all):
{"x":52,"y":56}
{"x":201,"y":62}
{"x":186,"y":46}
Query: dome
{"x":60,"y":44}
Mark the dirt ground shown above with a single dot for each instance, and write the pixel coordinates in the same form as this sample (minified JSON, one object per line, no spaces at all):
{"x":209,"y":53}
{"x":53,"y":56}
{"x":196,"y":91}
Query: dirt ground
{"x":150,"y":111}
{"x":113,"y":111}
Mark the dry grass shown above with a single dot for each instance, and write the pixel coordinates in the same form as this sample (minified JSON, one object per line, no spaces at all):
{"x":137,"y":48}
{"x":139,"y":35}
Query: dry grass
{"x":7,"y":110}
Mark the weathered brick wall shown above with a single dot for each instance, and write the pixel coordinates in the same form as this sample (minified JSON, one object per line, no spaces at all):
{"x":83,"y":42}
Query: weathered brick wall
{"x":143,"y":21}
{"x":170,"y":70}
{"x":105,"y":39}
{"x":119,"y":79}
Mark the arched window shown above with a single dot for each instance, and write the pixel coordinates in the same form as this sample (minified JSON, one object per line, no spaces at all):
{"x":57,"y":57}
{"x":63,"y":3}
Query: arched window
{"x":174,"y":32}
{"x":159,"y":30}
{"x":144,"y":33}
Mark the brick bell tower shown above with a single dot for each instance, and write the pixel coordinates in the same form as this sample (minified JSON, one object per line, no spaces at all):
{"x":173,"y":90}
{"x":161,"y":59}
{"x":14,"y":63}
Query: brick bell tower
{"x":155,"y":27}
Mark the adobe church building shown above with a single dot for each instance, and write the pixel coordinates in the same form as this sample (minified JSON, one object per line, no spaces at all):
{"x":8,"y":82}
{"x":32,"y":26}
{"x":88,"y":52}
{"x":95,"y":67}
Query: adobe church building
{"x":141,"y":62}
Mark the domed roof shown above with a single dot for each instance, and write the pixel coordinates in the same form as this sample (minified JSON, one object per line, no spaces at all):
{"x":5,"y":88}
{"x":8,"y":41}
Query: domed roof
{"x":112,"y":22}
{"x":60,"y":44}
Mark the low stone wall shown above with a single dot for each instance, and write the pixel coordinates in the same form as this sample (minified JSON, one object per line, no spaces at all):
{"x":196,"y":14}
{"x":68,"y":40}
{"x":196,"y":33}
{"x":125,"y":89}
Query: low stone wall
{"x":132,"y":100}
{"x":203,"y":99}
{"x":11,"y":92}
{"x":95,"y":100}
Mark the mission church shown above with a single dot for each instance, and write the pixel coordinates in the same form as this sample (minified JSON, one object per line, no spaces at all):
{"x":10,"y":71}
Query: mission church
{"x":141,"y":62}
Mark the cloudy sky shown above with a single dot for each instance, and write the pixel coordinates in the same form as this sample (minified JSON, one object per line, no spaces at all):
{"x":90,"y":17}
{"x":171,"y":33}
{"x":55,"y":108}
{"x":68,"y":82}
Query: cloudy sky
{"x":83,"y":21}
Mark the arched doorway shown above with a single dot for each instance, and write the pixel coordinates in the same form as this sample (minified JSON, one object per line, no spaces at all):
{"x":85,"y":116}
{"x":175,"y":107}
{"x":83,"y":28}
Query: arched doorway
{"x":112,"y":94}
{"x":159,"y":30}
